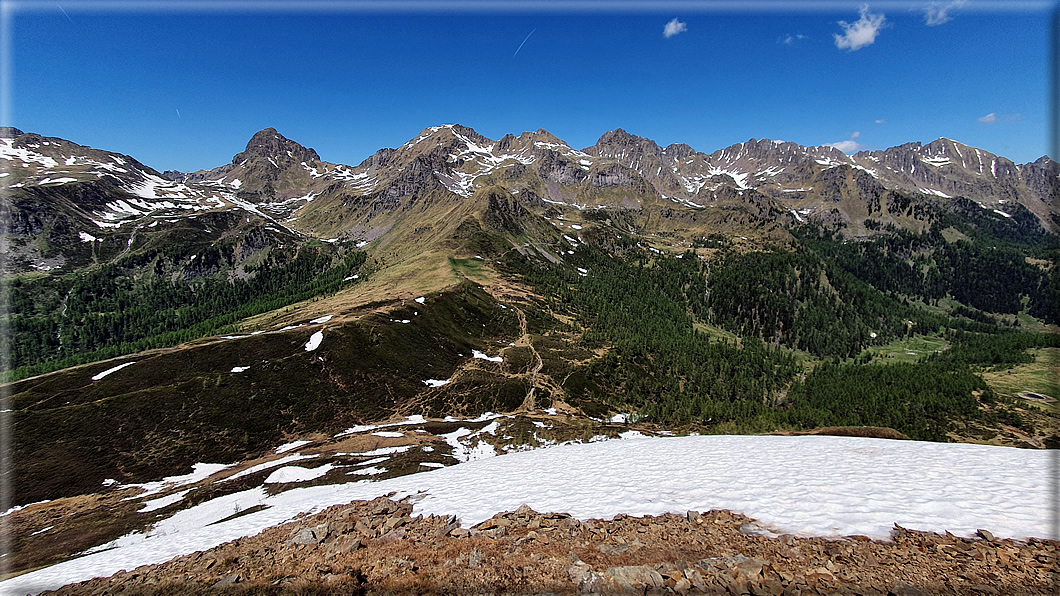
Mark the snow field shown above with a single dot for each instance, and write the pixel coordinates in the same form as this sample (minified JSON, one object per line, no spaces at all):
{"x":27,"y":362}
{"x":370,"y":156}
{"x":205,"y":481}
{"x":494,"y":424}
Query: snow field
{"x":807,"y":485}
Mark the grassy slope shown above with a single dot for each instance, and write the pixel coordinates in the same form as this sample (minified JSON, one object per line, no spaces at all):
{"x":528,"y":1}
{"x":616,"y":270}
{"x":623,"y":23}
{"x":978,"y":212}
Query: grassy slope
{"x":176,"y":407}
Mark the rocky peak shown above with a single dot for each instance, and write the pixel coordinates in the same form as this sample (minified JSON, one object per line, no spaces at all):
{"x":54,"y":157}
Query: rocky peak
{"x":679,"y":151}
{"x":9,"y":132}
{"x":627,"y":148}
{"x":621,"y":138}
{"x":268,"y":143}
{"x":541,"y":135}
{"x":507,"y":142}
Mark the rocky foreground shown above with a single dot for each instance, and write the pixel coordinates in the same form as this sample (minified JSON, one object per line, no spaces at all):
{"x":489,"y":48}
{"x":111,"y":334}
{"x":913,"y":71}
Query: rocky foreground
{"x":377,"y":547}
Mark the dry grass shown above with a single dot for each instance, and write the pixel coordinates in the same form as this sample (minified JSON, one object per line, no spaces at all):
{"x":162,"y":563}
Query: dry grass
{"x":1038,"y":377}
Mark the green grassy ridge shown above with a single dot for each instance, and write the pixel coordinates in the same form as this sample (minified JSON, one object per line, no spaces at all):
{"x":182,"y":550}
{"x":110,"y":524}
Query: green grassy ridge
{"x":175,"y":408}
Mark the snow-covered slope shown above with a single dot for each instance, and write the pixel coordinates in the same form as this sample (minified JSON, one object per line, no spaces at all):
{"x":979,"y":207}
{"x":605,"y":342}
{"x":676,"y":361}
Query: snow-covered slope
{"x":809,"y":485}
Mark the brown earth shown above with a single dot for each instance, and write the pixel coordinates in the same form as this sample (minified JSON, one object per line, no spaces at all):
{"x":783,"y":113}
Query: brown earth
{"x":376,"y":547}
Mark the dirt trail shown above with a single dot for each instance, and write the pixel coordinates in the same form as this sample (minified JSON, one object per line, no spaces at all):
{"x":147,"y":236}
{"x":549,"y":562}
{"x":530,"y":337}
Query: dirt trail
{"x":526,"y":341}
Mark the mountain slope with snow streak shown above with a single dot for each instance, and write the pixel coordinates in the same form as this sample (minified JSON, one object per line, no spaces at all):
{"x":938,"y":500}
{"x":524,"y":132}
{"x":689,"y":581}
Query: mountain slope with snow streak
{"x":809,"y":485}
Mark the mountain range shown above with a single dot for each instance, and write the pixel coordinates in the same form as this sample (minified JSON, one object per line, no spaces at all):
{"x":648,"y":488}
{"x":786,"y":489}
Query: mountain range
{"x":69,"y":192}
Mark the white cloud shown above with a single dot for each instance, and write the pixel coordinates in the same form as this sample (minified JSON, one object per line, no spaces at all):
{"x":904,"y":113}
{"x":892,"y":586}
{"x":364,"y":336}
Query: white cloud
{"x":849,"y":145}
{"x":993,"y":118}
{"x":880,"y":121}
{"x":673,"y":28}
{"x":938,"y":12}
{"x":860,"y":33}
{"x":790,"y":39}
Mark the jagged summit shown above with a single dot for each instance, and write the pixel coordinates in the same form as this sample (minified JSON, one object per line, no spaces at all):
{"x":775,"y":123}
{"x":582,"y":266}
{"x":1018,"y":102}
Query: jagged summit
{"x":268,"y":143}
{"x":619,"y":136}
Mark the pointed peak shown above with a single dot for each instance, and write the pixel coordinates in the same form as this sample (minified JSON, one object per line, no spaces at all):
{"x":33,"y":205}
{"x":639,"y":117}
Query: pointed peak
{"x":9,"y":132}
{"x":448,"y":131}
{"x":266,"y":132}
{"x":619,"y":136}
{"x":267,"y":142}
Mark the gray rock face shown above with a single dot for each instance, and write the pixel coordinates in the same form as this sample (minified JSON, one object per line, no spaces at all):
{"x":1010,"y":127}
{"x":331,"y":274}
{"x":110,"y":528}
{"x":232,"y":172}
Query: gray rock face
{"x":304,"y":536}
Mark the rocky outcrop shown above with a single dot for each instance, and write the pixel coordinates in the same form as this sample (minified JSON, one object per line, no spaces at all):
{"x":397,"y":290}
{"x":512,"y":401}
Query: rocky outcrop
{"x":378,"y":546}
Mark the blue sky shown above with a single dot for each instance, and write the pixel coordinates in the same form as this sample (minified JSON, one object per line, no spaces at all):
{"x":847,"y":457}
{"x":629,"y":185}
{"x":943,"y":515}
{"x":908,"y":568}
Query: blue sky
{"x":185,"y":88}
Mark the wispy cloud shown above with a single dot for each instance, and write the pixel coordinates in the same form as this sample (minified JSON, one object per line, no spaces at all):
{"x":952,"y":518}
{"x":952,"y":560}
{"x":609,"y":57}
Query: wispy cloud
{"x":790,"y":39}
{"x":848,"y":146}
{"x":994,"y":117}
{"x":862,"y":32}
{"x":673,"y":28}
{"x":938,"y":13}
{"x":880,"y":121}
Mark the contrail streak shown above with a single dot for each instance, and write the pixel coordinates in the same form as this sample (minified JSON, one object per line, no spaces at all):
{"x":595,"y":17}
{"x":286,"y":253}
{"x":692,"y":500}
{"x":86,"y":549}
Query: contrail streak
{"x":522,"y":44}
{"x":178,"y":113}
{"x":64,"y":14}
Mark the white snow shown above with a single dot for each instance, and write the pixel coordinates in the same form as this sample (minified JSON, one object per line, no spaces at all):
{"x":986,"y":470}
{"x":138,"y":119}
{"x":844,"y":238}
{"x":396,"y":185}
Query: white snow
{"x":163,"y":501}
{"x":314,"y":341}
{"x":56,"y":181}
{"x":297,"y":474}
{"x":935,"y":192}
{"x":481,"y":356}
{"x":19,"y":507}
{"x":387,"y":434}
{"x":936,"y":161}
{"x":808,"y":485}
{"x":236,"y":183}
{"x":431,"y":464}
{"x":267,"y":465}
{"x":465,"y":452}
{"x":198,"y":472}
{"x":86,"y":237}
{"x":291,"y":446}
{"x":99,"y":376}
{"x":421,"y":300}
{"x":414,"y":419}
{"x":380,"y":451}
{"x":369,"y":471}
{"x":323,"y":319}
{"x":435,"y":382}
{"x":375,"y":460}
{"x":1000,"y":212}
{"x":239,"y":369}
